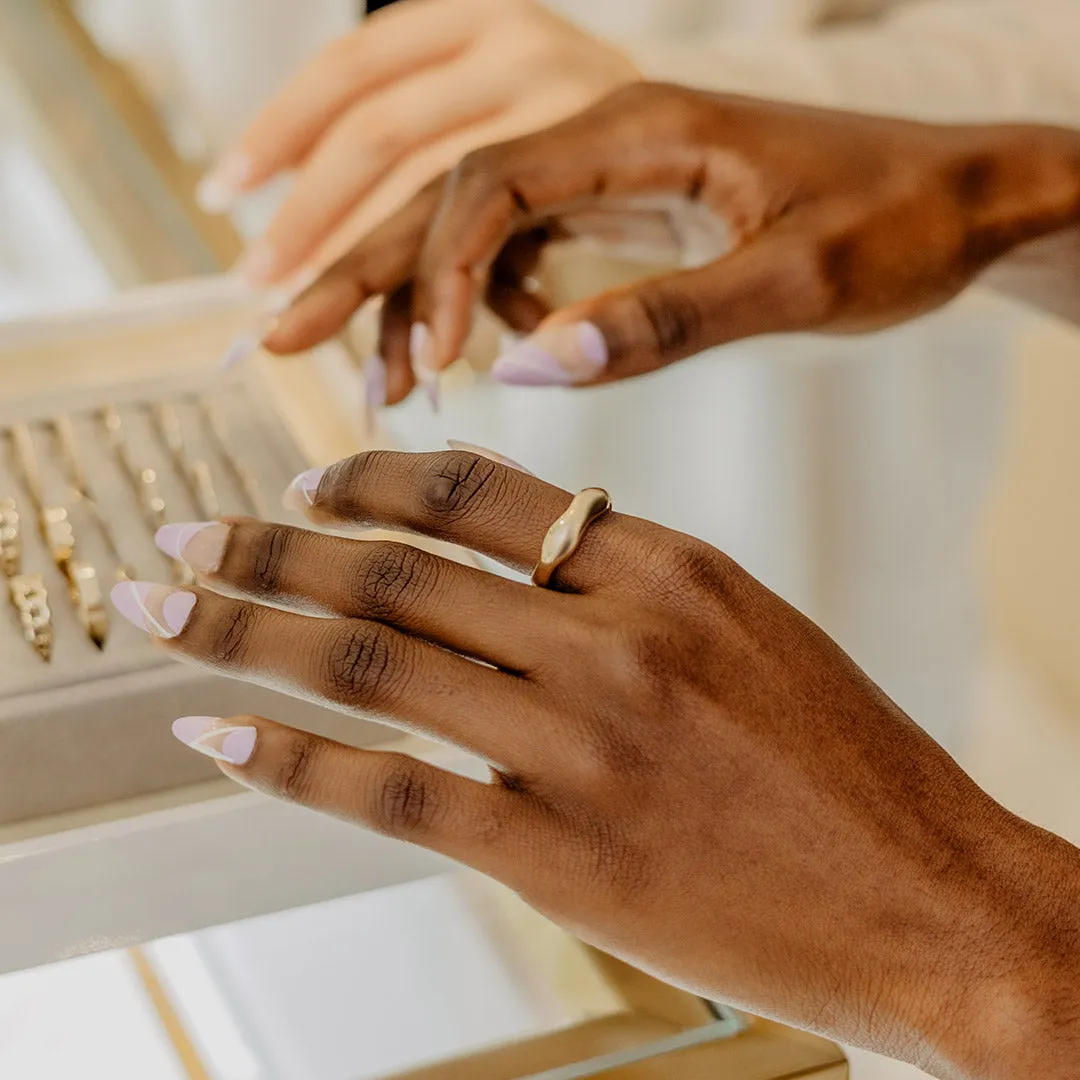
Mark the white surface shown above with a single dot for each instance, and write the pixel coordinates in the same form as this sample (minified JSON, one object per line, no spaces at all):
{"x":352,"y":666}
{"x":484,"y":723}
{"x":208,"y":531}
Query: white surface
{"x":44,"y":261}
{"x":373,"y":985}
{"x":87,"y":1019}
{"x":169,"y":871}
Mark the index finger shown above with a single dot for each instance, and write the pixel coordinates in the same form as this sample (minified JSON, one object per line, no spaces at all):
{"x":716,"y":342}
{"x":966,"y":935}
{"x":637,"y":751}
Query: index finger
{"x":632,"y":143}
{"x":378,"y":266}
{"x":465,"y":499}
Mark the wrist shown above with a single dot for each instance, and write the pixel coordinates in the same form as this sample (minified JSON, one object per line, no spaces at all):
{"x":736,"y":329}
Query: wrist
{"x":1009,"y":1008}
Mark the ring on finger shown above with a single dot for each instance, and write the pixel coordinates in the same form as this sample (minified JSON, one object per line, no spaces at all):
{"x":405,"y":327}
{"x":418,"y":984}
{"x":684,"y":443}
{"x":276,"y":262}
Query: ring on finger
{"x":566,"y":533}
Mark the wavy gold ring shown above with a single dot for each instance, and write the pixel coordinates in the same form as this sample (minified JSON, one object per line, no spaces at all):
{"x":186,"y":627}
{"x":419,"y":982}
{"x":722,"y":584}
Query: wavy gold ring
{"x":565,"y":535}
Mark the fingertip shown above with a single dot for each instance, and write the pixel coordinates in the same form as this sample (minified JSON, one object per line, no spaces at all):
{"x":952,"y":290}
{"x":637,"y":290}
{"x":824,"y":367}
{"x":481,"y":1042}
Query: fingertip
{"x":400,"y":380}
{"x":232,"y":177}
{"x":322,"y":311}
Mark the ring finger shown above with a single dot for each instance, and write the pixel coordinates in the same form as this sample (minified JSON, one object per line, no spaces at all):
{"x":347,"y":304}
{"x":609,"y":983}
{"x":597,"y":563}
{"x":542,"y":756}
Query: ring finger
{"x":353,"y":665}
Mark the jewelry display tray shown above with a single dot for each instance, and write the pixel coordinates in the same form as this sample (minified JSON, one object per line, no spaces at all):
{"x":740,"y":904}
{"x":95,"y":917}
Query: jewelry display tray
{"x":92,"y":727}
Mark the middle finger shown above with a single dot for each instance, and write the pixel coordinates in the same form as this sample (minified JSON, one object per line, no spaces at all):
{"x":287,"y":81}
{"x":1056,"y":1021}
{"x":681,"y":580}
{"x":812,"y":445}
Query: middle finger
{"x":459,"y":607}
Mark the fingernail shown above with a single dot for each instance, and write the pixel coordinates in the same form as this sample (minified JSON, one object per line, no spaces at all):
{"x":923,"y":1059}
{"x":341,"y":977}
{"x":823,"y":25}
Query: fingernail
{"x":201,"y":544}
{"x":554,"y":356}
{"x":375,"y":382}
{"x":158,"y":609}
{"x":300,"y":494}
{"x":279,"y":300}
{"x":420,"y":358}
{"x":217,"y":739}
{"x":239,"y":350}
{"x":491,"y":455}
{"x":257,"y":264}
{"x":219,"y":189}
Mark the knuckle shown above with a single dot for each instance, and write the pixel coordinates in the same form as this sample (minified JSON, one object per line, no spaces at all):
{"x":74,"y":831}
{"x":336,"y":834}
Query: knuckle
{"x":457,"y":483}
{"x":838,"y":272}
{"x":360,"y":668}
{"x":391,"y":578}
{"x":342,"y":488}
{"x":479,"y":169}
{"x":268,"y":553}
{"x":298,"y":770}
{"x":231,"y":641}
{"x":673,"y":323}
{"x":814,"y":280}
{"x":686,"y":116}
{"x":691,"y":566}
{"x":405,"y":802}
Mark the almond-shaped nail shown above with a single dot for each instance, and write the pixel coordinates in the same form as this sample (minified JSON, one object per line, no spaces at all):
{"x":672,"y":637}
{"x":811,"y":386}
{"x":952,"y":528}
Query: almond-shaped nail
{"x":375,"y":382}
{"x":219,"y":189}
{"x":491,"y":455}
{"x":216,"y":738}
{"x":554,"y":356}
{"x":421,"y":360}
{"x":159,"y":609}
{"x":240,"y":348}
{"x":300,"y":494}
{"x":201,"y":544}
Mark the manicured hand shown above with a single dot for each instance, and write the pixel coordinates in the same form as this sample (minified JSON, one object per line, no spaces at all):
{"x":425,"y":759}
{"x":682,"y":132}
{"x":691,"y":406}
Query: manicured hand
{"x":685,"y":771}
{"x":389,"y":107}
{"x":787,"y":218}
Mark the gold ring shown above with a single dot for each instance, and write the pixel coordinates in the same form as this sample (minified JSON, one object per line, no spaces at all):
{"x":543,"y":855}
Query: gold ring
{"x":565,"y":535}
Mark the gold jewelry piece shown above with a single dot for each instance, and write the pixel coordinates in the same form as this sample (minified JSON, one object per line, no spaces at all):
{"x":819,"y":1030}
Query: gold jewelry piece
{"x":10,"y":538}
{"x":143,"y":484}
{"x":30,"y":599}
{"x":56,"y":530}
{"x":244,"y":479}
{"x":67,"y":456}
{"x":565,"y":535}
{"x":26,"y":592}
{"x":194,"y":473}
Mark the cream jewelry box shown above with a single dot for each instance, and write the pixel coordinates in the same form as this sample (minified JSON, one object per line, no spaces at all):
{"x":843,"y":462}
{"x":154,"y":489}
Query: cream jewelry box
{"x":154,"y":432}
{"x":110,"y":831}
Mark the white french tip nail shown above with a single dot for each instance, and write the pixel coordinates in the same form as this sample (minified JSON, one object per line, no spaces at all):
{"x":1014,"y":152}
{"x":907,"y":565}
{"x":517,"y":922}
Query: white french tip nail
{"x":217,"y":739}
{"x":420,"y":361}
{"x":214,"y":197}
{"x":220,"y":189}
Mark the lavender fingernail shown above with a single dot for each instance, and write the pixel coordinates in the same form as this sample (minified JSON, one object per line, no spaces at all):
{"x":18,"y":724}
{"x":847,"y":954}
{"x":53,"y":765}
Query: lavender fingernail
{"x":201,"y":544}
{"x":216,"y":738}
{"x":491,"y":455}
{"x":159,"y":609}
{"x":560,"y":355}
{"x":375,"y":382}
{"x":300,"y":494}
{"x":239,"y":350}
{"x":422,"y":365}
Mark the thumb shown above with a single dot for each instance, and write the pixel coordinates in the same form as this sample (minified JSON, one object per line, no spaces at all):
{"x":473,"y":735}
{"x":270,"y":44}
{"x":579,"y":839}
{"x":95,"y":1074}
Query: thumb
{"x":771,"y":285}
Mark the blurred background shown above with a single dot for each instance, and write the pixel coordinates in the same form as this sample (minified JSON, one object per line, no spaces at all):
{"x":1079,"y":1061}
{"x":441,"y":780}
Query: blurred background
{"x":914,"y":492}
